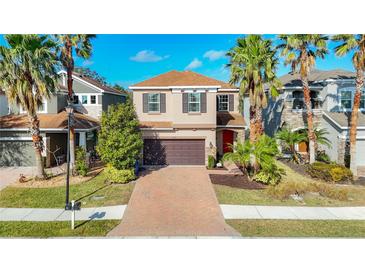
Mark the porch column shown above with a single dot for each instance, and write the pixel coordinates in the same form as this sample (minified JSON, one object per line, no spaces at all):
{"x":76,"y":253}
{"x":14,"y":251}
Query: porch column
{"x":82,"y":140}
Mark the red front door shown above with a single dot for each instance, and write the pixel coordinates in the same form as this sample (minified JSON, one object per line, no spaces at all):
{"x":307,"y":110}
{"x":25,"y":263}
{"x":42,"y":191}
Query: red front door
{"x":227,"y":140}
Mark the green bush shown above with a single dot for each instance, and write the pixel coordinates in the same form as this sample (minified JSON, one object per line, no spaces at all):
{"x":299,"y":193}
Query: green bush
{"x":120,"y":139}
{"x":121,"y":176}
{"x":81,"y":167}
{"x":269,"y":175}
{"x":284,"y":190}
{"x":330,"y":172}
{"x":211,"y":161}
{"x":323,"y":157}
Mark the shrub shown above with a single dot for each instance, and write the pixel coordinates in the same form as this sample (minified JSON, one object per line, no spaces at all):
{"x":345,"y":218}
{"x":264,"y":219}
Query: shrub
{"x":329,"y":172}
{"x":323,"y":157}
{"x":211,"y":161}
{"x":121,"y":176}
{"x":270,"y":175}
{"x":81,"y":167}
{"x":120,"y":140}
{"x":284,"y":190}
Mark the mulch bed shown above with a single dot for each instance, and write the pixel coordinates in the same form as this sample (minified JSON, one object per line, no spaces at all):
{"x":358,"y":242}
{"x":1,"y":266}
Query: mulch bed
{"x":237,"y":181}
{"x":301,"y":169}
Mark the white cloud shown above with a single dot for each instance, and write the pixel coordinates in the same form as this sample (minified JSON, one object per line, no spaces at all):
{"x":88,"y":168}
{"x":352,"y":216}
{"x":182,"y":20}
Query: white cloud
{"x":213,"y":55}
{"x":87,"y":63}
{"x":194,"y":64}
{"x":145,"y":56}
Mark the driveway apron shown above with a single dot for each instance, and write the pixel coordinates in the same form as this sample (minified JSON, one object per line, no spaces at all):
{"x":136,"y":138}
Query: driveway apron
{"x":173,"y":201}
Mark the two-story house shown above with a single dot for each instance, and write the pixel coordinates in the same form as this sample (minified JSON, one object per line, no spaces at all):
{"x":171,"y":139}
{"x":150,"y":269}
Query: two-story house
{"x":91,"y":98}
{"x":186,"y":116}
{"x":332,"y":94}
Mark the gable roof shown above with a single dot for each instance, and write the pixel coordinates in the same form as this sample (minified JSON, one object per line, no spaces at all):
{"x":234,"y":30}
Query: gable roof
{"x":293,"y":80}
{"x":182,"y":78}
{"x":94,"y":83}
{"x":49,"y":121}
{"x":342,"y":119}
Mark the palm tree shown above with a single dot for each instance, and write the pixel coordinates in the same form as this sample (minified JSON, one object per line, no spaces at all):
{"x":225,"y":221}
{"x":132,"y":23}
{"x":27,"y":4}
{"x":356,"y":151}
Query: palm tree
{"x":289,"y":139}
{"x":253,"y":63}
{"x":28,"y":75}
{"x":353,"y":43}
{"x":301,"y":51}
{"x":81,"y":44}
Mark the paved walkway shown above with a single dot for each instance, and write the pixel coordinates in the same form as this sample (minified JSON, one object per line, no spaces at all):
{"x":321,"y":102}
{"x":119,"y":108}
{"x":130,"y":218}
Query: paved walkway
{"x":173,"y":201}
{"x":229,"y":212}
{"x":55,"y":214}
{"x":293,"y":212}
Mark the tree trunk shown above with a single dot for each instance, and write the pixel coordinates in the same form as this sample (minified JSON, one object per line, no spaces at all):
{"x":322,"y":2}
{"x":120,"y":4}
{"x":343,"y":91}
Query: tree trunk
{"x":307,"y":101}
{"x":70,"y":98}
{"x":252,"y":124}
{"x":38,"y":145}
{"x":259,"y":127}
{"x":354,"y":116}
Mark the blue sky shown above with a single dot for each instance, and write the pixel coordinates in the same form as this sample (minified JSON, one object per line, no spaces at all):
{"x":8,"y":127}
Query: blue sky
{"x":129,"y":59}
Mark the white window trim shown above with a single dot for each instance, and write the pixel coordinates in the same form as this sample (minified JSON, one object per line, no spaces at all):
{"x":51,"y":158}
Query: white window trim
{"x":219,"y":102}
{"x":200,"y":106}
{"x":353,"y":90}
{"x":22,"y":111}
{"x":88,"y":99}
{"x":158,"y":102}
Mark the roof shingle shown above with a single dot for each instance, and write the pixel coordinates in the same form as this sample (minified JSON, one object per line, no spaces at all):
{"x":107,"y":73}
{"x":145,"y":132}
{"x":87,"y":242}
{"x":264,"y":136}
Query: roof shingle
{"x":184,"y":78}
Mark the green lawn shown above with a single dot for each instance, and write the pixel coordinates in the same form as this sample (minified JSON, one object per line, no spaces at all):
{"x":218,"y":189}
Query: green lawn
{"x":56,"y":229}
{"x":54,"y":197}
{"x":294,"y":228}
{"x":229,"y":195}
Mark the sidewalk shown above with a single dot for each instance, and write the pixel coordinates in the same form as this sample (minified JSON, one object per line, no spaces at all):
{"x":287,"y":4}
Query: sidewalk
{"x":229,"y":212}
{"x":54,"y":214}
{"x":293,"y":212}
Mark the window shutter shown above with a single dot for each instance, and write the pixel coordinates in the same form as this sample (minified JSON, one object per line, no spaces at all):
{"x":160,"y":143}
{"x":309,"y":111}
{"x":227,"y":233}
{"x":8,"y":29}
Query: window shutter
{"x":231,"y":102}
{"x":203,"y":102}
{"x":162,"y":102}
{"x":185,"y":102}
{"x":145,"y":102}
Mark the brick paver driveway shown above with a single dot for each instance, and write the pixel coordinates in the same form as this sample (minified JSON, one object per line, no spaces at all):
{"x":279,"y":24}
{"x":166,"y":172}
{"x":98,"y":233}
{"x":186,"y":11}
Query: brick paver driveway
{"x":173,"y":201}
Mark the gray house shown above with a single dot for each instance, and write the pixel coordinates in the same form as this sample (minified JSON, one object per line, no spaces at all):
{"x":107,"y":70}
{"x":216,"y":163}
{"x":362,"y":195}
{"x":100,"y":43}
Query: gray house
{"x":332,"y":95}
{"x":91,"y":98}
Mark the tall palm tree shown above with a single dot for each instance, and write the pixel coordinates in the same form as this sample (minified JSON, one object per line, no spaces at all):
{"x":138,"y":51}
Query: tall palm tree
{"x":301,"y":51}
{"x":28,"y":75}
{"x":354,"y":43}
{"x":81,"y":45}
{"x":253,"y":63}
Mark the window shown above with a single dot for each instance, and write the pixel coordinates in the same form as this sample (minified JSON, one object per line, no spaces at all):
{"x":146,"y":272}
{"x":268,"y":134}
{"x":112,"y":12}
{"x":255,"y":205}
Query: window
{"x":153,"y":102}
{"x":223,"y":103}
{"x":76,"y":100}
{"x":346,"y":98}
{"x":93,"y":99}
{"x":84,"y":99}
{"x":194,"y":102}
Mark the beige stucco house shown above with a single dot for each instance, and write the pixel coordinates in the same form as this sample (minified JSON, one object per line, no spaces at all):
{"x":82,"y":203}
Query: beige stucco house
{"x":186,"y":116}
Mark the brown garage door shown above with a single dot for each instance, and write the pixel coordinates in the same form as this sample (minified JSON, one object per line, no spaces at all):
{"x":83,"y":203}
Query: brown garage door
{"x":173,"y":152}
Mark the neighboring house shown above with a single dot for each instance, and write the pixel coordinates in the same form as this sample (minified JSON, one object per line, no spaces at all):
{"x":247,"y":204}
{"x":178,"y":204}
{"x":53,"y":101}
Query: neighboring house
{"x":332,"y":95}
{"x":185,"y":117}
{"x":91,"y":99}
{"x":4,"y":107}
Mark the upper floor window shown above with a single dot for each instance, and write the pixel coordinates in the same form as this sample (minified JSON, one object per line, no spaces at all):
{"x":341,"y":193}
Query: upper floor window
{"x":41,"y":109}
{"x":153,"y":102}
{"x":84,"y":99}
{"x":76,"y":99}
{"x":223,"y":102}
{"x":347,"y":97}
{"x":194,"y":102}
{"x":93,"y":99}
